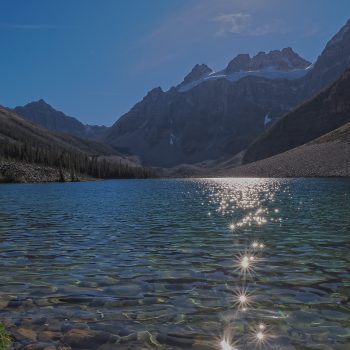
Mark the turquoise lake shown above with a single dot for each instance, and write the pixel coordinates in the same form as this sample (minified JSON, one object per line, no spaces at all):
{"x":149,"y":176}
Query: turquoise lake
{"x":175,"y":264}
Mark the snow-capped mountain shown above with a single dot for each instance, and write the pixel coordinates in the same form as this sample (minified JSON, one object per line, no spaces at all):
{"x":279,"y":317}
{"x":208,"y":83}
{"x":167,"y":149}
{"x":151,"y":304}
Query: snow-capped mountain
{"x":277,"y":64}
{"x":215,"y":115}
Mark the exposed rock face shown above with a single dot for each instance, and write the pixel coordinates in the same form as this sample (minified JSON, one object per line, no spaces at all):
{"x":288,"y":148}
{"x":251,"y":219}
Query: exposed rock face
{"x":43,"y":114}
{"x":324,"y":113}
{"x":285,"y":60}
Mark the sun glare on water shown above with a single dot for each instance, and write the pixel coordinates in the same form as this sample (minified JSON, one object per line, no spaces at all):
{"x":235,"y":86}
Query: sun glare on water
{"x":249,"y":200}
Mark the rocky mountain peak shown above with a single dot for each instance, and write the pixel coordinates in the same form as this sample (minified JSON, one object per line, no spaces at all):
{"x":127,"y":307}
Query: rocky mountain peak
{"x":197,"y":72}
{"x":154,"y":93}
{"x":39,"y":105}
{"x":43,"y":114}
{"x":240,"y":63}
{"x":284,"y":60}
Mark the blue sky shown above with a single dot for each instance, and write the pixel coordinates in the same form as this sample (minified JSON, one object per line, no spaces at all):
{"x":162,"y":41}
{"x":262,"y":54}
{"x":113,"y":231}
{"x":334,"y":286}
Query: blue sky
{"x":94,"y":59}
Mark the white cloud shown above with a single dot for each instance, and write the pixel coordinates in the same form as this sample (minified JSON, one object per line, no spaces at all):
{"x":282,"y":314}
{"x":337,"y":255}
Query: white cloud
{"x":237,"y":23}
{"x":243,"y":23}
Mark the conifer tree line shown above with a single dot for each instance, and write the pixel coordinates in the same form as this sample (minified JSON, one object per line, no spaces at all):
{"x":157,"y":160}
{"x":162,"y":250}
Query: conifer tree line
{"x":73,"y":162}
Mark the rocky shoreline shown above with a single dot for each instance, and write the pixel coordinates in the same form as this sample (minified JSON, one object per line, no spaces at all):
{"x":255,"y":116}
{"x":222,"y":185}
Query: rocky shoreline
{"x":19,"y":172}
{"x":30,"y":328}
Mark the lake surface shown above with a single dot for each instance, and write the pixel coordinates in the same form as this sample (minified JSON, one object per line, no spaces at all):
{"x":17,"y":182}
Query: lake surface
{"x":176,"y":264}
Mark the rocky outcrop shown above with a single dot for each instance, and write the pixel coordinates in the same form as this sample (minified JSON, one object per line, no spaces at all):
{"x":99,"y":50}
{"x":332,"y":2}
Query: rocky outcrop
{"x":324,"y":113}
{"x":284,"y":60}
{"x":43,"y":114}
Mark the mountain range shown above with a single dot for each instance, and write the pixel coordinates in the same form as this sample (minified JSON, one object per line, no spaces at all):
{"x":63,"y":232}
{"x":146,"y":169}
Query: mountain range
{"x":214,"y":115}
{"x":247,"y":111}
{"x":43,"y":114}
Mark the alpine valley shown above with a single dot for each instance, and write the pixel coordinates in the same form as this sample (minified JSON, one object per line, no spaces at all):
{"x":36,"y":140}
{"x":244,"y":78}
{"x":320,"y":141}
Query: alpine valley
{"x":215,"y":121}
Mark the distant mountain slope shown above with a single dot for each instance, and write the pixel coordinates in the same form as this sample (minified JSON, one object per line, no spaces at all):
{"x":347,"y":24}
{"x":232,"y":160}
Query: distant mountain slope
{"x":18,"y":129}
{"x":43,"y":114}
{"x":328,"y":155}
{"x":25,"y":142}
{"x":324,"y":113}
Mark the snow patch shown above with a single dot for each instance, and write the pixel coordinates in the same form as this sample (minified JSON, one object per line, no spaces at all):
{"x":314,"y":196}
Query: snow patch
{"x":267,"y":119}
{"x":269,"y":73}
{"x":172,"y":139}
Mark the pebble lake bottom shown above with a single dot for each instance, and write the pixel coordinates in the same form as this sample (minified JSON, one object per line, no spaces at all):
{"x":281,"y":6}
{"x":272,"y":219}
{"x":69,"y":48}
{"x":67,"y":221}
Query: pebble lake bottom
{"x":176,"y":264}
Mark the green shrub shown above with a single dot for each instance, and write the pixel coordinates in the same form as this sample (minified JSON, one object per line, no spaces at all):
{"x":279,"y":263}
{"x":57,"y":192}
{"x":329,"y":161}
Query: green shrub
{"x":5,"y":340}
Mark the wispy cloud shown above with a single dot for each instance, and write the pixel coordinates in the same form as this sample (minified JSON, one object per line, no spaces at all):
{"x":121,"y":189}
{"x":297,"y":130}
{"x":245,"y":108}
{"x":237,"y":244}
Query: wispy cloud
{"x":243,"y":23}
{"x":237,"y":23}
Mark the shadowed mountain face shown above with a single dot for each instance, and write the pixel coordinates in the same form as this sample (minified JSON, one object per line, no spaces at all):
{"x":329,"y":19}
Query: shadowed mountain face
{"x":214,"y":120}
{"x":217,"y":115}
{"x":324,"y":113}
{"x":43,"y":114}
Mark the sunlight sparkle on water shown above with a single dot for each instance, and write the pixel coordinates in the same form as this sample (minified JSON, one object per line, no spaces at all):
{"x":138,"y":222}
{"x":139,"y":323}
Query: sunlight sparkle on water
{"x":242,"y":299}
{"x":245,"y":263}
{"x":255,"y":244}
{"x":225,"y":345}
{"x":262,"y":326}
{"x":260,"y":336}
